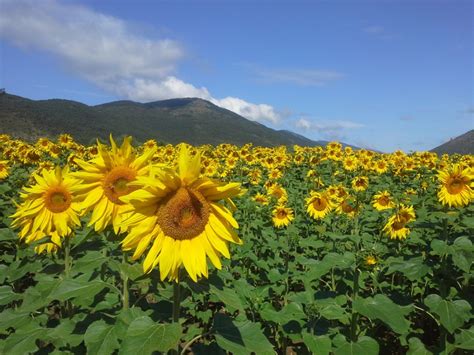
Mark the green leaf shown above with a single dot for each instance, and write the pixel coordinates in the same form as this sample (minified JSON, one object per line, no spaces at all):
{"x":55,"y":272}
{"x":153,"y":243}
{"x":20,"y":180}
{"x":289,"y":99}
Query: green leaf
{"x":291,"y":312}
{"x":318,"y":345}
{"x":125,"y":318}
{"x":7,"y":234}
{"x":383,"y":308}
{"x":229,"y":297}
{"x":364,"y":345}
{"x":144,"y":336}
{"x":452,"y":314}
{"x":10,"y":318}
{"x":71,"y":288}
{"x":100,"y":338}
{"x":7,"y":295}
{"x":462,"y":253}
{"x":413,"y":269}
{"x":23,"y":341}
{"x":416,"y":347}
{"x":465,"y":339}
{"x":240,"y":337}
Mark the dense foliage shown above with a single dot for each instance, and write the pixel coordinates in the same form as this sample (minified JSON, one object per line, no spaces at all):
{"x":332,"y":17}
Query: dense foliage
{"x":390,"y":277}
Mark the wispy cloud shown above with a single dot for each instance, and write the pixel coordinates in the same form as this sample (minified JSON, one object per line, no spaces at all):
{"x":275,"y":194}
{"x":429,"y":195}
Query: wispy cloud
{"x":293,"y":76}
{"x":105,"y":51}
{"x":379,"y":32}
{"x":329,"y":129}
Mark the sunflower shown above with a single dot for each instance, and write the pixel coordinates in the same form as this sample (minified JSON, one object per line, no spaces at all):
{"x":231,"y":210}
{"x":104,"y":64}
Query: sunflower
{"x":106,"y":178}
{"x":3,"y":169}
{"x":318,"y":205}
{"x":396,"y":226}
{"x":261,"y":198}
{"x":282,"y":216}
{"x":177,"y":212}
{"x":382,"y":201}
{"x":347,"y":206}
{"x":360,"y":183}
{"x":456,"y":186}
{"x":49,"y":208}
{"x":370,"y":260}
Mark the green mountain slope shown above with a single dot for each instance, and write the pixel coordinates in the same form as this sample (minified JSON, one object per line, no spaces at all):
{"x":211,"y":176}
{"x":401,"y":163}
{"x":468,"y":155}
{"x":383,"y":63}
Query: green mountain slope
{"x":189,"y":120}
{"x":463,"y":144}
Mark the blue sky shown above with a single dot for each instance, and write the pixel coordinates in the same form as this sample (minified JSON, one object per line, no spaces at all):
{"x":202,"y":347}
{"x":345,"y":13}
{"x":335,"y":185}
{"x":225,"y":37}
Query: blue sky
{"x":380,"y":74}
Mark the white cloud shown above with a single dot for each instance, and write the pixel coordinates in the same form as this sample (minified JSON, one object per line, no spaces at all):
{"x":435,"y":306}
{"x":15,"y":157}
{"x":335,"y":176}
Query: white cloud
{"x":329,"y":129}
{"x":300,"y":77}
{"x":103,"y":50}
{"x":374,"y":29}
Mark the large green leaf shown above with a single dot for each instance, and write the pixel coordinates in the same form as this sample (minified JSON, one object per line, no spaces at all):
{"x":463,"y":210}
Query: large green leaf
{"x":7,"y":295}
{"x":23,"y":341}
{"x":413,"y":269}
{"x":416,"y":347}
{"x":364,"y":345}
{"x":383,"y":308}
{"x":318,"y":345}
{"x":100,"y":338}
{"x":240,"y":337}
{"x":452,"y":314}
{"x":229,"y":297}
{"x":71,"y":288}
{"x":465,"y":339}
{"x":144,"y":336}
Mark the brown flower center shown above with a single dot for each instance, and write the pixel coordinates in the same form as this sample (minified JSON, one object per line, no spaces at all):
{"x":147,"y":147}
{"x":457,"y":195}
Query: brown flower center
{"x":455,"y":185}
{"x":281,"y":214}
{"x":397,"y":225}
{"x":347,"y":208}
{"x":319,"y":204}
{"x":184,"y":214}
{"x":384,"y":201}
{"x":57,"y":199}
{"x":116,"y":183}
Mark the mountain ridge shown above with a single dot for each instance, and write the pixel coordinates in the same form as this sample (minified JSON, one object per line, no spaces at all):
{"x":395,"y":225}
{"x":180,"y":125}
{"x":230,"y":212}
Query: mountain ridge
{"x":191,"y":120}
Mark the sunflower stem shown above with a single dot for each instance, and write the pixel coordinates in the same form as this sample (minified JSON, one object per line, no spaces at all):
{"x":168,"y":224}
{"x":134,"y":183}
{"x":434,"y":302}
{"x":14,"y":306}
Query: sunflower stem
{"x":176,"y":301}
{"x":125,"y":292}
{"x":67,"y":257}
{"x":176,"y":307}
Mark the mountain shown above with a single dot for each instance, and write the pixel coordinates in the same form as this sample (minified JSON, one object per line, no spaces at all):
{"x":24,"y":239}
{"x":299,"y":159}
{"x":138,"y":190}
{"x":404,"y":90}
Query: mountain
{"x":463,"y":144}
{"x":191,"y":120}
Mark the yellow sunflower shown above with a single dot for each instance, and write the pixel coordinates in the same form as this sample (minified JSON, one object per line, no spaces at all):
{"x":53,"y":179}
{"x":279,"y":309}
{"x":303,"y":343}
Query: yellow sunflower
{"x":370,"y":260}
{"x":382,"y":201}
{"x":3,"y":169}
{"x":360,"y":183}
{"x":347,"y":206}
{"x":396,"y":226}
{"x":282,"y":216}
{"x":318,"y":205}
{"x":456,"y":186}
{"x":106,"y":178}
{"x":261,"y":198}
{"x":177,"y":212}
{"x":49,"y":208}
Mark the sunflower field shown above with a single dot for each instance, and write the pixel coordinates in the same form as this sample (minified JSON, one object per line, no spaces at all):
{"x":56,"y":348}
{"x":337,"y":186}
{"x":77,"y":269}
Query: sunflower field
{"x":117,"y":248}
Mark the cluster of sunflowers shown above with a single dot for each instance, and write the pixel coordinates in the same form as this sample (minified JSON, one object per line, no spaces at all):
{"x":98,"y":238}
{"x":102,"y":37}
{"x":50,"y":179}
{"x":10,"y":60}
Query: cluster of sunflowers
{"x":174,"y":204}
{"x":172,"y":211}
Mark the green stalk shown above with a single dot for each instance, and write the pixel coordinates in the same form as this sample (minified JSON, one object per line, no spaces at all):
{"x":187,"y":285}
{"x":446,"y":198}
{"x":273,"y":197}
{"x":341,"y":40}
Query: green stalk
{"x":176,"y":307}
{"x":176,"y":301}
{"x":125,"y":292}
{"x":67,"y":257}
{"x":355,"y":317}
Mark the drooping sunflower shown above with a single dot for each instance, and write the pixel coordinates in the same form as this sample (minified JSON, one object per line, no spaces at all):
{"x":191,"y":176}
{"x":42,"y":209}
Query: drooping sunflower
{"x":456,"y":186}
{"x":50,"y":208}
{"x":282,"y":216}
{"x":3,"y":169}
{"x":382,"y":201}
{"x":347,"y":206}
{"x":360,"y":183}
{"x":318,"y":205}
{"x":396,"y":227}
{"x":178,"y":213}
{"x":106,"y":178}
